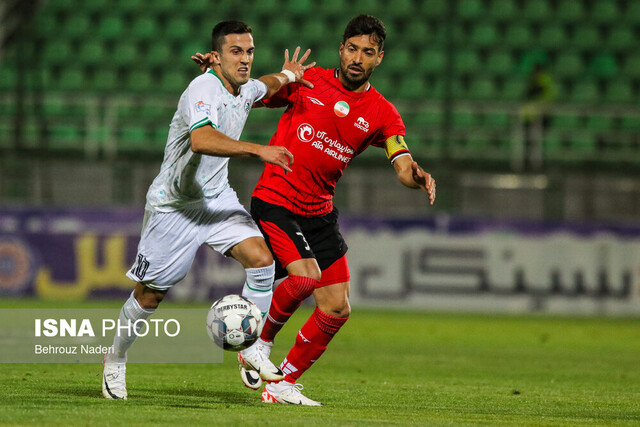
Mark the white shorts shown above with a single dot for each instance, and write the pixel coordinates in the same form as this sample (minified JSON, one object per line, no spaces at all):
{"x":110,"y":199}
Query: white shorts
{"x":170,"y":240}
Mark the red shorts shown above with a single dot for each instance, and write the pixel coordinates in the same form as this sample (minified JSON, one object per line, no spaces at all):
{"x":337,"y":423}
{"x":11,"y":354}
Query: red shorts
{"x":338,"y":272}
{"x":292,"y":237}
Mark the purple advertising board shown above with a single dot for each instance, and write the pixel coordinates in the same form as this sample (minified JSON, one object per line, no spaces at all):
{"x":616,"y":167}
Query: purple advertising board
{"x":80,"y":254}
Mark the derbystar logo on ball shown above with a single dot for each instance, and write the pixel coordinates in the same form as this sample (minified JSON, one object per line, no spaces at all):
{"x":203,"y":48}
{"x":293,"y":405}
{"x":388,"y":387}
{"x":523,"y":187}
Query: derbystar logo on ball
{"x":233,"y":322}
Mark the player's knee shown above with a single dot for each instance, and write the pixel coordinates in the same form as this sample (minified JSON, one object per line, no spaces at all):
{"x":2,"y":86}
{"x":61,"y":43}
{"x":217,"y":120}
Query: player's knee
{"x":310,"y":271}
{"x":262,"y":259}
{"x":306,"y":267}
{"x":338,"y":308}
{"x":299,"y":287}
{"x":149,"y":299}
{"x":344,"y":311}
{"x":315,"y":274}
{"x":310,"y":275}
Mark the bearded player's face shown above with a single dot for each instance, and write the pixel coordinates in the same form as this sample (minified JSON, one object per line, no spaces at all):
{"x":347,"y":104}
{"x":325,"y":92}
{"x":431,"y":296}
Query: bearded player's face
{"x":359,"y":56}
{"x":236,"y":58}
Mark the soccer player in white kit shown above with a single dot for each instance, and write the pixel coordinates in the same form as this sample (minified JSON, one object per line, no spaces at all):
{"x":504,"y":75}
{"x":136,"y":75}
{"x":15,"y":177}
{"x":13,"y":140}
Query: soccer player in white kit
{"x":190,"y":202}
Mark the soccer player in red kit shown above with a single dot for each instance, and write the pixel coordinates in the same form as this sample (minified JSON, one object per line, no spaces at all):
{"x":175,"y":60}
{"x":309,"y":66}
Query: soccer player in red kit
{"x":324,"y":127}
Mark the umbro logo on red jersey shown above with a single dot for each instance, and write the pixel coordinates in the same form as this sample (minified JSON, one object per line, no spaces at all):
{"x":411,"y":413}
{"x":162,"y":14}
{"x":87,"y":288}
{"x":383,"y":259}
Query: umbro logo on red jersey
{"x":315,"y":101}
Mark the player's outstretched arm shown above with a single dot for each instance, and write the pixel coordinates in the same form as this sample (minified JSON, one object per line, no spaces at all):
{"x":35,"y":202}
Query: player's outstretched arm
{"x":274,"y":81}
{"x":207,"y":140}
{"x":292,"y":71}
{"x":412,"y":175}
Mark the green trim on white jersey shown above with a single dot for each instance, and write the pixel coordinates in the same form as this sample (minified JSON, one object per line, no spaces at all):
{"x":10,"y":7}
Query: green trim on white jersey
{"x":214,"y":73}
{"x":201,"y":123}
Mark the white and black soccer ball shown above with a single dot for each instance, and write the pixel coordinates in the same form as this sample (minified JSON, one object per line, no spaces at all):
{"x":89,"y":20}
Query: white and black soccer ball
{"x":233,"y":322}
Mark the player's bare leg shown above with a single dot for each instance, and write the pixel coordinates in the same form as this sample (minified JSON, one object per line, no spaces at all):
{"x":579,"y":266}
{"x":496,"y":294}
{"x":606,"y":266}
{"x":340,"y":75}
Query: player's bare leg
{"x":333,"y":299}
{"x":140,"y":305}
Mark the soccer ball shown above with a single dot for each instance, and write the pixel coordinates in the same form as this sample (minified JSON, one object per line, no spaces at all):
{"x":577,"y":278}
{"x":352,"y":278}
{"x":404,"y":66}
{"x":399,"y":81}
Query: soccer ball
{"x":233,"y":322}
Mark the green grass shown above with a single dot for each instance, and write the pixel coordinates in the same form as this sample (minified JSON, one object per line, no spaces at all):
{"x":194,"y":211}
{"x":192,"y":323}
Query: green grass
{"x":383,"y":368}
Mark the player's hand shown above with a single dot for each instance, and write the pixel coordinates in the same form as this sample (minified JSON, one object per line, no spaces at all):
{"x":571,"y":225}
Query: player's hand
{"x":297,"y":67}
{"x":425,"y":181}
{"x":202,"y":60}
{"x":277,"y":155}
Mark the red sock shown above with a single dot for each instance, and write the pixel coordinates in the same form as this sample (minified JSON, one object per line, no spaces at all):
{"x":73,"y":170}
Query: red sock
{"x":311,"y":342}
{"x":286,"y":299}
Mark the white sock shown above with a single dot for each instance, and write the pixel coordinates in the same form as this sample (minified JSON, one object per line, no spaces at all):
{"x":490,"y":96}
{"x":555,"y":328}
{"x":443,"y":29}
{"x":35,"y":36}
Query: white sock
{"x":130,"y":312}
{"x":259,"y":286}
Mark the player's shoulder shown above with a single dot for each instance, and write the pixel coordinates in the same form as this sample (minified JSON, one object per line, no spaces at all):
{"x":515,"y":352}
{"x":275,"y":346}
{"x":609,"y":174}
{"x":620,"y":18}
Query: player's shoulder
{"x":209,"y":80}
{"x":255,"y":84}
{"x":382,"y":102}
{"x":318,"y":73}
{"x":377,"y":95}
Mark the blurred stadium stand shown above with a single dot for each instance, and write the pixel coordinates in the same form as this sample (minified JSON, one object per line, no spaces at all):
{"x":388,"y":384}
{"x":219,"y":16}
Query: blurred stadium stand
{"x":98,"y":82}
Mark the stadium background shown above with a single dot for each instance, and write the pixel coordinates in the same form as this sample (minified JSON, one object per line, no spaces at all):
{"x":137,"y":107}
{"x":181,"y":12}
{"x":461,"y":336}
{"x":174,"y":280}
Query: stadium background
{"x":87,"y":90}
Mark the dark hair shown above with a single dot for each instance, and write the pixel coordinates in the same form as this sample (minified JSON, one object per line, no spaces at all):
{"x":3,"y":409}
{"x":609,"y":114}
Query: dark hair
{"x":227,"y":27}
{"x":366,"y":25}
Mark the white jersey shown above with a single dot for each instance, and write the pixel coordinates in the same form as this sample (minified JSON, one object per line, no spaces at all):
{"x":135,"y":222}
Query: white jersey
{"x":186,"y":178}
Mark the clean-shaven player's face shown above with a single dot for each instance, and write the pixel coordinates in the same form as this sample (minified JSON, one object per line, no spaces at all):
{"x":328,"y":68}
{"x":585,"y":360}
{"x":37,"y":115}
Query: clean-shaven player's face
{"x":359,"y":56}
{"x":235,"y":58}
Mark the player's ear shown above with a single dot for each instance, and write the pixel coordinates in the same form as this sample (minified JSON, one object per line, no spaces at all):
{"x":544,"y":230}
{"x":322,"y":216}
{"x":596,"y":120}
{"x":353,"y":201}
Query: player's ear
{"x":215,"y":58}
{"x":341,"y":48}
{"x":379,"y":60}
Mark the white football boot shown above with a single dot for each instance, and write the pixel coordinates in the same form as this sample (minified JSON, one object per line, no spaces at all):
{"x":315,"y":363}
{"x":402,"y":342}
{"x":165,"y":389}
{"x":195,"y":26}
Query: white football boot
{"x":284,"y":392}
{"x":250,"y":378}
{"x":114,"y":385}
{"x":255,"y":365}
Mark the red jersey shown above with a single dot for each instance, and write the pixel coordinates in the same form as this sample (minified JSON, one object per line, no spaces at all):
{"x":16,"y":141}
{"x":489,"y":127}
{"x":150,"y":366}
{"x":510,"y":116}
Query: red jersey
{"x":324,"y":128}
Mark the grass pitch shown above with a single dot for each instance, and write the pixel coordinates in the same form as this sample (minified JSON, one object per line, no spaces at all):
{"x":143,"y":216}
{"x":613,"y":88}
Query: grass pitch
{"x":384,"y":367}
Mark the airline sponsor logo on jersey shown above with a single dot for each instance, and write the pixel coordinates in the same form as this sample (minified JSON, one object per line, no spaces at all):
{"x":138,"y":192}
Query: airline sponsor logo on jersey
{"x":315,"y":101}
{"x":362,"y":124}
{"x":320,"y":140}
{"x":341,"y":109}
{"x":306,"y":132}
{"x":201,"y":107}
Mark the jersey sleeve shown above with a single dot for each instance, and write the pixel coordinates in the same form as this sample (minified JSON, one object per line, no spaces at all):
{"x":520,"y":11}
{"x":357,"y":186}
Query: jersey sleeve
{"x":393,"y":125}
{"x":391,"y":136}
{"x":203,"y":98}
{"x":259,"y":90}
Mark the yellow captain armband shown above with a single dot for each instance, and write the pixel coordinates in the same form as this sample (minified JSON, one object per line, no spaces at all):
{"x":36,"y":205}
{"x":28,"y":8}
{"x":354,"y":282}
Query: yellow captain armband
{"x":395,"y":147}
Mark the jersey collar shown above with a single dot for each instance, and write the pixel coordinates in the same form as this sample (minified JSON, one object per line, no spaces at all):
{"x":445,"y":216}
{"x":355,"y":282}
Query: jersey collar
{"x":210,"y":71}
{"x":214,"y":73}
